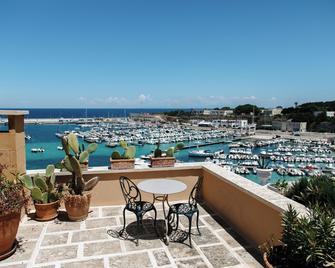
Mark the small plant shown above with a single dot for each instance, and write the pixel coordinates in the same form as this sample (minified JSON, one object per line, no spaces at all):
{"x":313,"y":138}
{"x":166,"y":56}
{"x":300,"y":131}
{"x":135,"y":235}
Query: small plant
{"x":12,"y":198}
{"x":78,"y":151}
{"x":307,"y":241}
{"x":71,"y":163}
{"x":281,"y":185}
{"x":263,"y":162}
{"x":314,"y":191}
{"x":43,"y":188}
{"x":169,"y":152}
{"x":128,"y":153}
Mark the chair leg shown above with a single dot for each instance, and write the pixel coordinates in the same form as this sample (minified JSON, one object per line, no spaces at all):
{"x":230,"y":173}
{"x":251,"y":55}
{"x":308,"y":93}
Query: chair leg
{"x":155,"y":221}
{"x":177,"y":224}
{"x":189,"y":229}
{"x":198,"y":222}
{"x":169,"y":230}
{"x":124,"y":222}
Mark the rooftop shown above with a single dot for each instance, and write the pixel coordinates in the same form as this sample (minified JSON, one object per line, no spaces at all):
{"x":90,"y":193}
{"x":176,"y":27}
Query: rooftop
{"x":14,"y":112}
{"x":95,"y":243}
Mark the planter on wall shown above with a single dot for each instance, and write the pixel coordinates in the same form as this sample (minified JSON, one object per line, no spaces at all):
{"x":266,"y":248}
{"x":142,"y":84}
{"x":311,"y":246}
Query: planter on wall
{"x":162,"y":161}
{"x":122,"y":163}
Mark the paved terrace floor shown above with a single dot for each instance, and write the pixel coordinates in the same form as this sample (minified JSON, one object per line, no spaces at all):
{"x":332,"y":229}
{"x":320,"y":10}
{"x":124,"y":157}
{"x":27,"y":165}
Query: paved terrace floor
{"x":94,"y":243}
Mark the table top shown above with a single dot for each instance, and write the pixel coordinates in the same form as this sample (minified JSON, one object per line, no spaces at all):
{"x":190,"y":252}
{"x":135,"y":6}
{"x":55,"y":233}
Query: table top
{"x":162,"y":186}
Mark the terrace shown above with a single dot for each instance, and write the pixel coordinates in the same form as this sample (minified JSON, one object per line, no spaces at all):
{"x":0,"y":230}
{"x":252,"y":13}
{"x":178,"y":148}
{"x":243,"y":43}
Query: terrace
{"x":236,"y":216}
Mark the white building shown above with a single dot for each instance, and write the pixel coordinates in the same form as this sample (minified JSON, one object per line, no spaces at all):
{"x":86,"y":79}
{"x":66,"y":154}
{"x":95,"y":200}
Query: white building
{"x":218,"y":112}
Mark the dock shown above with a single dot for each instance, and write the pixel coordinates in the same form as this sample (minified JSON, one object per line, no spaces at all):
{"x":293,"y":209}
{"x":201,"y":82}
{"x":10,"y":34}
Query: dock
{"x":209,"y":143}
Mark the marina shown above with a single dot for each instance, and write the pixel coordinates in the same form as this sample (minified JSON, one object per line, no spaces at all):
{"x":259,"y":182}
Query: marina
{"x":289,"y":158}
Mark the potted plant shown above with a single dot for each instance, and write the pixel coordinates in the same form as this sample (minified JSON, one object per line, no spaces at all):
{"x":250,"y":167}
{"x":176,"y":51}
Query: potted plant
{"x":307,"y":241}
{"x":165,"y":159}
{"x":12,"y":200}
{"x":79,"y":151}
{"x":126,"y":160}
{"x":263,"y":170}
{"x":78,"y":196}
{"x":45,"y":193}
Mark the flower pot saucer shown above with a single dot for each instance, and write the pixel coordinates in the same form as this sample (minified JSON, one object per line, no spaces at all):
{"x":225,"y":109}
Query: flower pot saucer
{"x":11,"y":252}
{"x":45,"y":219}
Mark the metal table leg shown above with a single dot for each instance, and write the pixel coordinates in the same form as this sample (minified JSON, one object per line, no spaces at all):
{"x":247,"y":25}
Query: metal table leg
{"x":163,"y":199}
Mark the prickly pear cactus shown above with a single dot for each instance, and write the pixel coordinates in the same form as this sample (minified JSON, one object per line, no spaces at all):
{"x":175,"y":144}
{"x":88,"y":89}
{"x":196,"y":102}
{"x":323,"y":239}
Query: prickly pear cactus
{"x":42,"y":187}
{"x":116,"y":155}
{"x":170,"y":152}
{"x":129,"y":152}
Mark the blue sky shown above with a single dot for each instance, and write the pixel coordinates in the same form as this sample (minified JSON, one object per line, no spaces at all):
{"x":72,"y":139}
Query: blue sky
{"x":113,"y":54}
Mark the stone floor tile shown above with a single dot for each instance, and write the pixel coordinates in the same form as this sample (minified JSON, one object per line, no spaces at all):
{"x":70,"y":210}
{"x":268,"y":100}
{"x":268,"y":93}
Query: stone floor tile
{"x":55,"y":239}
{"x":190,"y":263}
{"x":219,"y":256}
{"x":15,"y":266}
{"x":84,"y":264}
{"x":137,"y":260}
{"x":184,"y":221}
{"x":56,"y":254}
{"x":97,"y":223}
{"x":161,"y":257}
{"x":179,"y":250}
{"x":23,"y":252}
{"x":93,"y":213}
{"x":143,"y":244}
{"x":232,"y":238}
{"x":29,"y":232}
{"x":102,"y":248}
{"x":206,"y":237}
{"x":111,"y":211}
{"x":60,"y":226}
{"x":90,"y":235}
{"x":248,"y":258}
{"x":212,"y":222}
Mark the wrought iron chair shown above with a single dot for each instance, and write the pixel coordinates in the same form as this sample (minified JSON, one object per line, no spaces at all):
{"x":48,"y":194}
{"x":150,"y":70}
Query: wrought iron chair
{"x":186,"y":209}
{"x":134,"y":203}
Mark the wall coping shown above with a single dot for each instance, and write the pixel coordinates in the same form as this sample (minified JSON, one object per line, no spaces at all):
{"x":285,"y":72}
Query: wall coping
{"x":261,"y":193}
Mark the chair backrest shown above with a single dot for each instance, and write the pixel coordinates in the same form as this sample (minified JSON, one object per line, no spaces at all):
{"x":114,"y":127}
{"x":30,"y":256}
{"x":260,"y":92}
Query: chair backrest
{"x":129,"y":190}
{"x":195,"y":193}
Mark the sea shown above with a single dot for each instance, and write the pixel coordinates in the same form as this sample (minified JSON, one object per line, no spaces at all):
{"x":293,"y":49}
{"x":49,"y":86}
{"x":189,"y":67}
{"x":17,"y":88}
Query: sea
{"x":43,"y":136}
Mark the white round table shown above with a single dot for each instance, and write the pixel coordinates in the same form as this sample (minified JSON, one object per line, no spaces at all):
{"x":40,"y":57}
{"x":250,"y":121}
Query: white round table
{"x":160,"y":189}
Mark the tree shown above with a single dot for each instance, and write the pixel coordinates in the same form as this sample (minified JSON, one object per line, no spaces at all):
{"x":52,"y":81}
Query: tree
{"x":247,"y":109}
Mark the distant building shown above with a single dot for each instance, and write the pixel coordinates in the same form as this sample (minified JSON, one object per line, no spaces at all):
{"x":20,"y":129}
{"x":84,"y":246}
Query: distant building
{"x":273,"y":111}
{"x":218,"y":112}
{"x":289,"y":125}
{"x":330,"y":113}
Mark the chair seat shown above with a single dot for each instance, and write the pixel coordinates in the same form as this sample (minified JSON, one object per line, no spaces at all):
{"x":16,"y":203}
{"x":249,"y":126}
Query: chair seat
{"x":139,"y":206}
{"x":183,"y":208}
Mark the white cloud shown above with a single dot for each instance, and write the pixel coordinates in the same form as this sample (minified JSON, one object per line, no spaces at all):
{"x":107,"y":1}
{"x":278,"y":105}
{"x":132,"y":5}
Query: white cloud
{"x":142,"y":98}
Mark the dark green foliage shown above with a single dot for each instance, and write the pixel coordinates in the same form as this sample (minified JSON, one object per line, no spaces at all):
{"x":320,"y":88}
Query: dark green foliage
{"x":158,"y":152}
{"x":309,"y":239}
{"x":246,"y":109}
{"x":314,"y":191}
{"x":263,"y":162}
{"x":11,"y":194}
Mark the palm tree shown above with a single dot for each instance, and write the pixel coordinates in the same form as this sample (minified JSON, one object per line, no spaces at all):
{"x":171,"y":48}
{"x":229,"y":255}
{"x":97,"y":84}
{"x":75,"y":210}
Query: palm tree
{"x":296,"y":104}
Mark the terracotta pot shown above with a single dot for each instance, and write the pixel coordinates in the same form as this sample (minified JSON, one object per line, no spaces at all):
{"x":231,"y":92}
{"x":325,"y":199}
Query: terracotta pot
{"x":46,"y":212}
{"x":9,"y":225}
{"x":122,"y":163}
{"x":162,"y":161}
{"x":77,"y":206}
